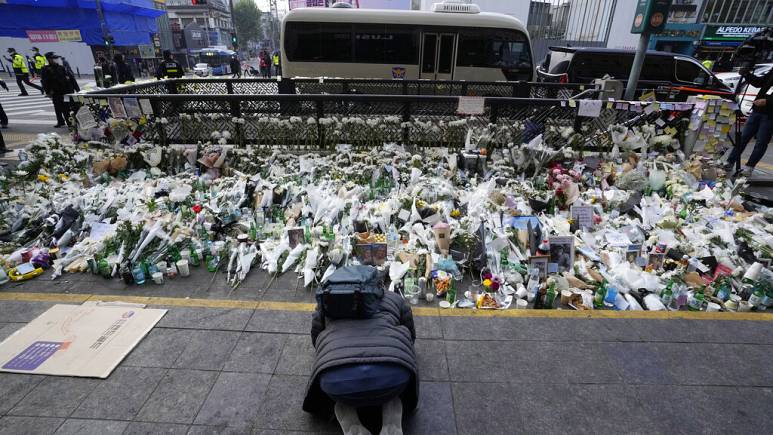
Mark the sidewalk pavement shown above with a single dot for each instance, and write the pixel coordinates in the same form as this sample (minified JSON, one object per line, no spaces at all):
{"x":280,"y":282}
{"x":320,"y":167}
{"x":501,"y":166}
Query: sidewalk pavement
{"x":238,"y":363}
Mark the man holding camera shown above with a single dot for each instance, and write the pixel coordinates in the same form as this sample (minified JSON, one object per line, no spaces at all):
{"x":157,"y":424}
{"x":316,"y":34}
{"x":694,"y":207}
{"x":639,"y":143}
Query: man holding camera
{"x":759,"y":125}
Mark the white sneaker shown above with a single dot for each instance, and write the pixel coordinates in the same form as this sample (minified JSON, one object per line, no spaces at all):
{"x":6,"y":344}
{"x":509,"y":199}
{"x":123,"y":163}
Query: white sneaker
{"x":747,"y":172}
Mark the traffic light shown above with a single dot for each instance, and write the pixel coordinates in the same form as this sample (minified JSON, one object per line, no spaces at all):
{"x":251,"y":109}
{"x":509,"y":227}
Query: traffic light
{"x":109,"y":40}
{"x":234,"y":41}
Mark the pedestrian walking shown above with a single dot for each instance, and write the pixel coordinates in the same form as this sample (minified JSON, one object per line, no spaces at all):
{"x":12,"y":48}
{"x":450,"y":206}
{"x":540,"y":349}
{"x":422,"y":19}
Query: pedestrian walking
{"x":277,"y":66}
{"x":21,"y":71}
{"x":759,"y":125}
{"x":265,"y":65}
{"x":31,"y":65}
{"x":121,"y":71}
{"x":57,"y":83}
{"x":169,"y":68}
{"x":236,"y":67}
{"x":68,"y":68}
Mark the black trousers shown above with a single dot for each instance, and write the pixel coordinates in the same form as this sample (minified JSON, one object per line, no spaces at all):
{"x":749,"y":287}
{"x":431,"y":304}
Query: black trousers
{"x":3,"y":116}
{"x":25,"y":78}
{"x":62,"y":109}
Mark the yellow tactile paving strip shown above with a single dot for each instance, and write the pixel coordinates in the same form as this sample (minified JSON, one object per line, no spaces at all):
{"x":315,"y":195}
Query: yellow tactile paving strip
{"x":79,"y":298}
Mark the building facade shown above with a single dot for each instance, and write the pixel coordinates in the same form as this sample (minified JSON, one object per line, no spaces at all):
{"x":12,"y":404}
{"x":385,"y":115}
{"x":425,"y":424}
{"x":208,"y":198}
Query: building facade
{"x":211,"y":16}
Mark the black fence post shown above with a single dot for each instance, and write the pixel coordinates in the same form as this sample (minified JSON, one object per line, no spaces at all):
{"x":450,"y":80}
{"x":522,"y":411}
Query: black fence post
{"x":405,"y":87}
{"x":320,"y":130}
{"x":236,"y":113}
{"x":229,"y":87}
{"x":521,"y":89}
{"x":493,"y":111}
{"x":464,"y":89}
{"x":406,"y":118}
{"x":162,"y":139}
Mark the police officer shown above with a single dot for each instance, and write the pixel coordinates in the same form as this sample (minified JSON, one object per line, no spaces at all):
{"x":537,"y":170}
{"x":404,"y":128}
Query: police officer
{"x":57,"y":82}
{"x":39,"y":59}
{"x":169,"y":68}
{"x":22,"y":73}
{"x":277,"y":67}
{"x":3,"y":116}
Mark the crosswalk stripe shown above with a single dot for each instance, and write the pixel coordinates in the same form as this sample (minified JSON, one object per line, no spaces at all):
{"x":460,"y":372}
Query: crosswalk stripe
{"x":26,"y":104}
{"x":31,"y":112}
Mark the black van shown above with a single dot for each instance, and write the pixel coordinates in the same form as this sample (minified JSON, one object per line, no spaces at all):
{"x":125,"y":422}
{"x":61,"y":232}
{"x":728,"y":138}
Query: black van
{"x":672,"y":76}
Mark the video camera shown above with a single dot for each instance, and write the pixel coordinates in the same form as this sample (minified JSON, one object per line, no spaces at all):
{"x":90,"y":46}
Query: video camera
{"x":757,"y":49}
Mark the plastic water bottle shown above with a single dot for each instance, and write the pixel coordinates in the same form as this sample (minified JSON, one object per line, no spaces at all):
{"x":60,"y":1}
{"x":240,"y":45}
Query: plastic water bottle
{"x":392,"y":239}
{"x":138,"y":274}
{"x":3,"y":276}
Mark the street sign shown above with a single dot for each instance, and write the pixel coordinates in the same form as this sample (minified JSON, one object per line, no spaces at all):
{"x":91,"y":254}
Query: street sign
{"x":730,"y":33}
{"x":651,"y":15}
{"x":146,"y":51}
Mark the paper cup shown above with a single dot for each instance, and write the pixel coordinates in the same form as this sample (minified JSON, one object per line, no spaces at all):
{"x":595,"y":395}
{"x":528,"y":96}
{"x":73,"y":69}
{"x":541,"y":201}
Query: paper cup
{"x":521,"y":292}
{"x":429,"y":297}
{"x":744,"y":306}
{"x":161,"y":265}
{"x":158,"y":278}
{"x":182,"y":267}
{"x":530,"y":297}
{"x":712,"y":307}
{"x":521,"y":304}
{"x":566,"y":297}
{"x":185,"y":254}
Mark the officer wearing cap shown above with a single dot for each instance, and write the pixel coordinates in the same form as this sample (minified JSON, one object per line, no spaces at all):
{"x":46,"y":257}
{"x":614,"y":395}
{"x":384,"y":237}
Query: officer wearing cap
{"x":57,"y":83}
{"x":169,"y":68}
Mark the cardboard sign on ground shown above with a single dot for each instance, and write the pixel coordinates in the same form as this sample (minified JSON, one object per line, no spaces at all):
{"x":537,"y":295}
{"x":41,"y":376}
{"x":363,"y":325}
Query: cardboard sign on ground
{"x":77,"y":340}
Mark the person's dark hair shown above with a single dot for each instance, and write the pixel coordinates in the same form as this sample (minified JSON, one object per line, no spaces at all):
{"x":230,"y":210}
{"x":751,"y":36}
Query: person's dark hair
{"x":11,"y":50}
{"x":167,"y":54}
{"x":118,"y":58}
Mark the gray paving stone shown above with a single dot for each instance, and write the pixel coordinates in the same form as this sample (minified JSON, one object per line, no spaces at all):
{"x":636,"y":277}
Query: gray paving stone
{"x":282,"y":407}
{"x":29,"y":425}
{"x":256,"y":353}
{"x":639,"y":363}
{"x":139,"y":428}
{"x":13,"y":387}
{"x":434,"y":415}
{"x":234,"y":399}
{"x":160,"y":348}
{"x":290,"y":432}
{"x":702,"y":364}
{"x":205,"y":318}
{"x":427,"y":327}
{"x":6,"y":329}
{"x":297,"y":356}
{"x":292,"y":322}
{"x":55,"y":396}
{"x":121,"y":396}
{"x":529,"y":329}
{"x":178,"y":397}
{"x":431,"y":358}
{"x":207,"y":350}
{"x":218,"y":430}
{"x":702,"y":409}
{"x":22,"y":312}
{"x":611,"y":408}
{"x":503,"y":361}
{"x":92,"y":427}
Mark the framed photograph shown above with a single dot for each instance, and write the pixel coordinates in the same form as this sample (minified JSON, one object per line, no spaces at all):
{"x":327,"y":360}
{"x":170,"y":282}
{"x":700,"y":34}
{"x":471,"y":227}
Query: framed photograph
{"x":633,"y":252}
{"x":561,"y":253}
{"x":132,"y":107}
{"x":116,"y":106}
{"x":583,"y":216}
{"x":656,"y":260}
{"x":541,"y":263}
{"x":295,"y":236}
{"x":364,"y":253}
{"x":379,"y":253}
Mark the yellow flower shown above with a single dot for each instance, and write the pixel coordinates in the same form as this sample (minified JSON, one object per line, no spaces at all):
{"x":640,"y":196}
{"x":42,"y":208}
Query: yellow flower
{"x":63,"y":177}
{"x":487,"y":282}
{"x":455,"y":213}
{"x":43,"y":178}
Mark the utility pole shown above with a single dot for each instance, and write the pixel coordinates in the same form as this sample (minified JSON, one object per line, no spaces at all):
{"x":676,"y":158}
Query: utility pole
{"x":650,"y":17}
{"x":274,"y":18}
{"x":106,"y":37}
{"x":638,"y":62}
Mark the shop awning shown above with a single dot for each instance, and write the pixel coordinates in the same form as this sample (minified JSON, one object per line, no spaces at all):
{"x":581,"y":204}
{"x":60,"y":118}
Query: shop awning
{"x":130,"y":22}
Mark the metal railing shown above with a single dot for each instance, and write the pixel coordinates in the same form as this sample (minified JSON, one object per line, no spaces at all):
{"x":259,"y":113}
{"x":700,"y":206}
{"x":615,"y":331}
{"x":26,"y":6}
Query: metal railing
{"x":305,"y":86}
{"x":323,"y":121}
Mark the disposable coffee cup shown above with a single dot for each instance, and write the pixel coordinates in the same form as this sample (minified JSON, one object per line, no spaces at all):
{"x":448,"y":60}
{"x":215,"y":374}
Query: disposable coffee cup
{"x":712,"y":307}
{"x":158,"y":278}
{"x":566,"y":297}
{"x":744,"y":306}
{"x":521,"y":292}
{"x":161,"y":265}
{"x":530,"y":297}
{"x":521,"y":304}
{"x":182,"y":267}
{"x":429,"y":297}
{"x":185,"y":254}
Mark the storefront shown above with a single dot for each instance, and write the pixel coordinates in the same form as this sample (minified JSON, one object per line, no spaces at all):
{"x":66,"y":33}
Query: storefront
{"x":677,"y":38}
{"x":720,"y":41}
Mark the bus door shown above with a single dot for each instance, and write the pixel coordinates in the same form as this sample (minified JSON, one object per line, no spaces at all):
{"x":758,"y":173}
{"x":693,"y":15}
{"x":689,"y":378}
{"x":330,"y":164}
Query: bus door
{"x":438,"y":56}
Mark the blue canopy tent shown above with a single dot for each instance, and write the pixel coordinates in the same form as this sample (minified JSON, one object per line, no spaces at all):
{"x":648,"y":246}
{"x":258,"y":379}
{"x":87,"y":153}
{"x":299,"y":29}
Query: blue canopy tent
{"x":130,"y":22}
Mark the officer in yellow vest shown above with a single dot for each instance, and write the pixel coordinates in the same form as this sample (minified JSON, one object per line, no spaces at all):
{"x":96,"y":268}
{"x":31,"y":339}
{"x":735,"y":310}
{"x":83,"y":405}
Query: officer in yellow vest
{"x":169,"y":68}
{"x":708,"y":64}
{"x":22,"y":73}
{"x":40,"y":60}
{"x":277,"y":68}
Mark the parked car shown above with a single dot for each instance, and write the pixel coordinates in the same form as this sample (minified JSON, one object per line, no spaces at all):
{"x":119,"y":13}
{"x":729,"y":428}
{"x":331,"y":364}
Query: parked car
{"x":202,"y":70}
{"x":672,"y":76}
{"x":746,"y":94}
